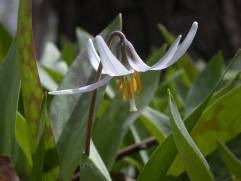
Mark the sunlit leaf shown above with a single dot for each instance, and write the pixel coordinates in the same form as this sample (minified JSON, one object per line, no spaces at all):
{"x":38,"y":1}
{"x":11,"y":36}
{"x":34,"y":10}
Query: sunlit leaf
{"x":22,"y":137}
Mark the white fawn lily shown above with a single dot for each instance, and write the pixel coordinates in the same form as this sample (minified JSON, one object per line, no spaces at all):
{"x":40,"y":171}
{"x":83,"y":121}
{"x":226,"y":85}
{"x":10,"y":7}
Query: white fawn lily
{"x":127,"y":65}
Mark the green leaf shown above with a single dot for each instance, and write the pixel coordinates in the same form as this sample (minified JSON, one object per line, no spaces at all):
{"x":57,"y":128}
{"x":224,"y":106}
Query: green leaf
{"x":92,"y":168}
{"x":5,"y":40}
{"x":69,"y":113}
{"x":205,"y":82}
{"x":230,"y":85}
{"x":38,"y":157}
{"x":185,"y":61}
{"x":194,"y":162}
{"x":43,"y":143}
{"x":82,"y":38}
{"x":118,"y":125}
{"x":68,"y":50}
{"x":221,"y":120}
{"x":22,"y":137}
{"x":156,"y":122}
{"x":231,"y":161}
{"x":31,"y":87}
{"x":9,"y":93}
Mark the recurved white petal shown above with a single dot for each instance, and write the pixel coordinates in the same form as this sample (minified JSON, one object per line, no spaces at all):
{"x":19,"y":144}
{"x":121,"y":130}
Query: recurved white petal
{"x":185,"y":43}
{"x":134,"y":59}
{"x":111,"y":65}
{"x":168,"y":57}
{"x":83,"y":89}
{"x":92,"y":54}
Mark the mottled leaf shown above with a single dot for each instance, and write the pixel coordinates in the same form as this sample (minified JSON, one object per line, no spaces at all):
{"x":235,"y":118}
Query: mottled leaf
{"x":31,"y":88}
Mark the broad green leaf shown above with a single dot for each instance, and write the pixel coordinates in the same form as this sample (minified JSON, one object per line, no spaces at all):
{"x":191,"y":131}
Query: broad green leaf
{"x":194,"y":162}
{"x":185,"y":61}
{"x":22,"y":137}
{"x":31,"y":87}
{"x":156,"y":122}
{"x":205,"y":82}
{"x":118,"y":125}
{"x":82,"y":37}
{"x":69,"y":113}
{"x":231,"y":161}
{"x":5,"y":40}
{"x":92,"y":168}
{"x":9,"y":92}
{"x":164,"y":155}
{"x":221,"y":120}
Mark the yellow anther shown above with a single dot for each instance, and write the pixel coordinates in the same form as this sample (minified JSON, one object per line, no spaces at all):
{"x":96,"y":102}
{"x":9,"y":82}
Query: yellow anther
{"x":118,"y":81}
{"x":128,"y":82}
{"x":138,"y":81}
{"x":124,"y":91}
{"x":134,"y":83}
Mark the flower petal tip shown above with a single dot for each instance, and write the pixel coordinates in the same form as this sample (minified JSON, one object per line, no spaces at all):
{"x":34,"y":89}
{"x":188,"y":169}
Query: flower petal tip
{"x":195,"y":24}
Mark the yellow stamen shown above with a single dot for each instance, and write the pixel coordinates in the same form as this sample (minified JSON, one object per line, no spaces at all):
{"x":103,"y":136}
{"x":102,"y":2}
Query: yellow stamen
{"x":118,"y":83}
{"x":129,"y":89}
{"x":124,"y":91}
{"x":134,"y":83}
{"x":138,"y":81}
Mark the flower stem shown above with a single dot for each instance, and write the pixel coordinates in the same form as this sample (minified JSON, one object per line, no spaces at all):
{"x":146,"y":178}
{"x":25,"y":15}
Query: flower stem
{"x":94,"y":95}
{"x":91,"y":115}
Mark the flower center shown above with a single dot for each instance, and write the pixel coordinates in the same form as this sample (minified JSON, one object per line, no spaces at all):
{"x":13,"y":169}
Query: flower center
{"x":130,"y":86}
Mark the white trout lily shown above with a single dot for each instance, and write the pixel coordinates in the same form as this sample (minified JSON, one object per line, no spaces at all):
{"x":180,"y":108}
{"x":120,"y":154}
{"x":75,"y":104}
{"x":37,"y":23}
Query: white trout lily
{"x":127,"y":65}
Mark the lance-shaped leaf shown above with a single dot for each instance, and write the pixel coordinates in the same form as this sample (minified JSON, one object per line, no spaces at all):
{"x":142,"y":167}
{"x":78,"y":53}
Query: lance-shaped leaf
{"x":31,"y":88}
{"x":92,"y":167}
{"x":195,"y":164}
{"x":232,"y":162}
{"x":5,"y":40}
{"x":22,"y":137}
{"x":10,"y":85}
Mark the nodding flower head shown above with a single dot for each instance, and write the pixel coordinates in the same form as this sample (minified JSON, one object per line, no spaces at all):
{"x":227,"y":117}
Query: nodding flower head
{"x":127,"y":65}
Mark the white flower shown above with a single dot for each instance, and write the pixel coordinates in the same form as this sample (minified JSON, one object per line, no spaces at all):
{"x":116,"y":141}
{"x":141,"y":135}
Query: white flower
{"x":128,"y":67}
